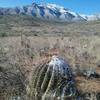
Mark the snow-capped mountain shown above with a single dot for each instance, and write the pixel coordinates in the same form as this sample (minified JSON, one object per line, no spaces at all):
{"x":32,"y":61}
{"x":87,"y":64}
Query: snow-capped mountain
{"x":91,"y":17}
{"x":49,"y":12}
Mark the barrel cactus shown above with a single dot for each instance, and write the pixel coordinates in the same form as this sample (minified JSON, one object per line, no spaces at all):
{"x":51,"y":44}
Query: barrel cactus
{"x":53,"y":80}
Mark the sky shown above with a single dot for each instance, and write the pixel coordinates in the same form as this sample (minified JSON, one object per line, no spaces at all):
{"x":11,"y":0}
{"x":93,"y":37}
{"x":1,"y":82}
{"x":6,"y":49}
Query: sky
{"x":79,"y":6}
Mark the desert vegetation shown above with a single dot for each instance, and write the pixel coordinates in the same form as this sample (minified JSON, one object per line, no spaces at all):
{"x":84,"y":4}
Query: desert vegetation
{"x":15,"y":25}
{"x":22,"y":52}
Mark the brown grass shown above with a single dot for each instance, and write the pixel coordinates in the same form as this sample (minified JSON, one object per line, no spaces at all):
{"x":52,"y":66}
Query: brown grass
{"x":27,"y":52}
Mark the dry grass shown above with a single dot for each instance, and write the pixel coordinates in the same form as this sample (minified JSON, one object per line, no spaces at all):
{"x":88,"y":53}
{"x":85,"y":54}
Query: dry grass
{"x":82,"y":52}
{"x":80,"y":47}
{"x":87,"y":85}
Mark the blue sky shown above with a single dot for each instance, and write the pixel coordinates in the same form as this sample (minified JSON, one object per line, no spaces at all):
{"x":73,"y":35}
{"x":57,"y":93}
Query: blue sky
{"x":79,"y":6}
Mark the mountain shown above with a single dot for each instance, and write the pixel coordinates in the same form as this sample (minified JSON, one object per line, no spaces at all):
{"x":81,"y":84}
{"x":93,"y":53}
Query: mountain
{"x":49,"y":12}
{"x":91,"y":17}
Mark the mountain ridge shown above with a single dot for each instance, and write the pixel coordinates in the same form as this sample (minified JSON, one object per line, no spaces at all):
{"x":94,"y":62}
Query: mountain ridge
{"x":49,"y":12}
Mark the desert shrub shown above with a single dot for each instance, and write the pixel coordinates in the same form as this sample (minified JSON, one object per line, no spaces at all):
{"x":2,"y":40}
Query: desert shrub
{"x":3,"y":34}
{"x":14,"y":71}
{"x":98,"y":96}
{"x":35,"y":34}
{"x":11,"y":78}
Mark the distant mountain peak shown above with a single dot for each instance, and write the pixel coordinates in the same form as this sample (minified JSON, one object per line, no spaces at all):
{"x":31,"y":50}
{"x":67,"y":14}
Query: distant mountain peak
{"x":49,"y":12}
